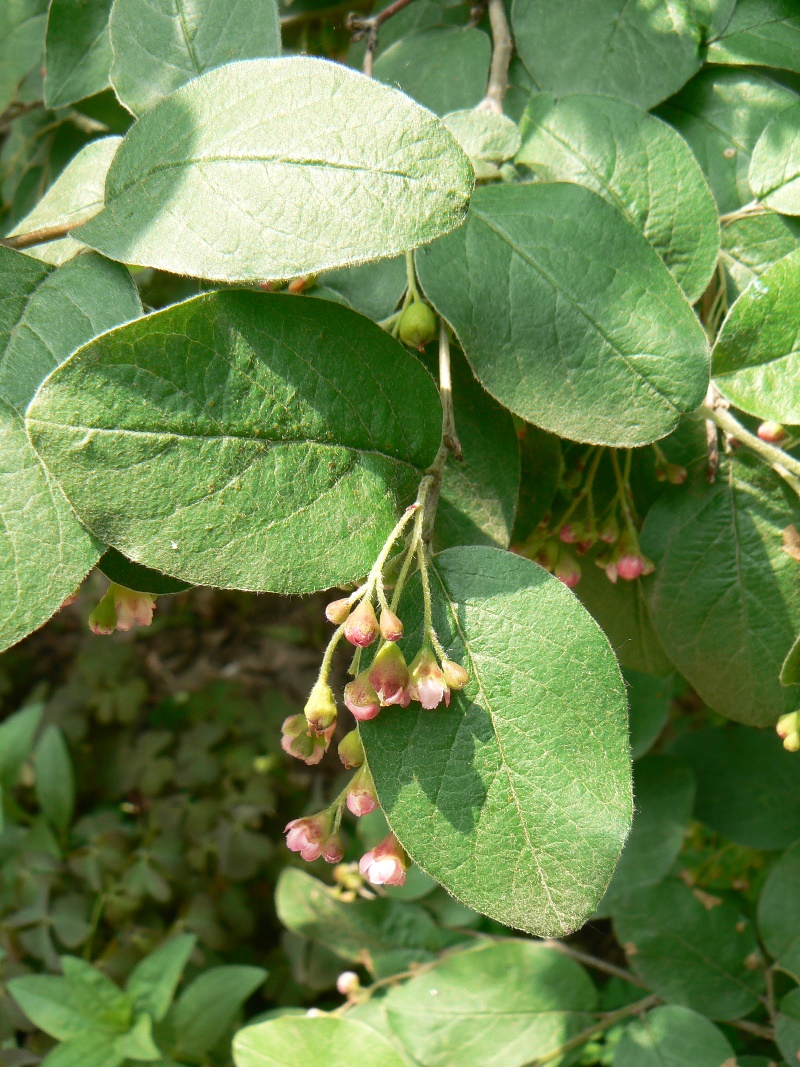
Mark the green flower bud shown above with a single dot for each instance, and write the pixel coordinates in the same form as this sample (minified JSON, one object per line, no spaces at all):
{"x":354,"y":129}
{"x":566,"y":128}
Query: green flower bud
{"x":417,"y":325}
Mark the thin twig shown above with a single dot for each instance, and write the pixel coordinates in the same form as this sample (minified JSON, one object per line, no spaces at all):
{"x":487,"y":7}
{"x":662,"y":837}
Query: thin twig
{"x":502,"y":51}
{"x":781,"y":462}
{"x":753,"y":208}
{"x":594,"y":961}
{"x":38,"y":237}
{"x":369,"y":27}
{"x":753,"y":1028}
{"x":609,"y":1020}
{"x":450,"y":443}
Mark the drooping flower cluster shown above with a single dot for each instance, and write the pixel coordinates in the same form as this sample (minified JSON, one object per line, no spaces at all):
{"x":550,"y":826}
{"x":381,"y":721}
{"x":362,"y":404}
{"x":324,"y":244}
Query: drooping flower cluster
{"x":122,"y":609}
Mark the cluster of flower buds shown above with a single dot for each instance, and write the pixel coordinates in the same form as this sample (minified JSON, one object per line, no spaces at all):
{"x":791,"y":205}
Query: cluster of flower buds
{"x":122,"y":609}
{"x":788,"y":730}
{"x":625,"y":560}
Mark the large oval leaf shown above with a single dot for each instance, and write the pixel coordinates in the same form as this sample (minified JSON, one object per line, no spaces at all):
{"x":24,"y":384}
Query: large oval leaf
{"x":761,"y":32}
{"x":77,"y":51}
{"x":750,"y":245}
{"x":636,"y":162}
{"x":756,"y":360}
{"x":319,"y":1041}
{"x":725,"y":597}
{"x":160,"y":44}
{"x":258,"y":170}
{"x":672,"y":1036}
{"x":44,"y":315}
{"x":567,"y":315}
{"x":775,"y":163}
{"x":517,"y":797}
{"x":241,"y":440}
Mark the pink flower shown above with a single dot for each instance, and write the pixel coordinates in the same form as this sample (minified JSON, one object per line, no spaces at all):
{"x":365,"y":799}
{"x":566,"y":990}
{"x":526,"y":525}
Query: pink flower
{"x":391,"y":626}
{"x":361,"y":627}
{"x":297,"y":742}
{"x":630,"y":566}
{"x":133,"y":609}
{"x":427,"y":680}
{"x":388,"y":676}
{"x":361,"y":802}
{"x":312,"y":836}
{"x":361,"y":699}
{"x":386,"y":864}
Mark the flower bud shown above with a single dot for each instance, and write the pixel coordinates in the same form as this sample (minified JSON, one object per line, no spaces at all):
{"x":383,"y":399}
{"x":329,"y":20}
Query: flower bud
{"x":675,"y":473}
{"x":351,"y":751}
{"x":391,"y":627}
{"x":309,"y":835}
{"x":386,"y":864}
{"x":103,"y":619}
{"x":630,"y":566}
{"x":771,"y":432}
{"x":567,"y":570}
{"x":361,"y":627}
{"x":361,"y":699}
{"x":361,"y":796}
{"x":417,"y":326}
{"x":571,"y":532}
{"x":333,"y":849}
{"x":388,"y":676}
{"x":348,"y":982}
{"x":788,"y":730}
{"x":609,"y":530}
{"x":337,"y":611}
{"x":296,"y":741}
{"x":427,"y":682}
{"x":547,"y":555}
{"x":320,"y":710}
{"x":133,"y":609}
{"x":454,"y":674}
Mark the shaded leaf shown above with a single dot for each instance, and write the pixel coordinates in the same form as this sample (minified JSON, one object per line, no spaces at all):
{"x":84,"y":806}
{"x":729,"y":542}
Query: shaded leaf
{"x":673,"y":1037}
{"x":648,"y":707}
{"x":207,"y":1010}
{"x":77,"y":50}
{"x":787,"y":1026}
{"x":444,"y":69}
{"x":22,"y":29}
{"x":374,"y":289}
{"x":55,"y":779}
{"x":541,"y":467}
{"x":779,"y":911}
{"x":134,"y":576}
{"x":17,"y":733}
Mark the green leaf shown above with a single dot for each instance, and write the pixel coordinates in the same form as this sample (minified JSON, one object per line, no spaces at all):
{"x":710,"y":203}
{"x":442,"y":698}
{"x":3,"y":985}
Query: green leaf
{"x":775,"y":163}
{"x":356,"y":931}
{"x":748,"y":788}
{"x":242,"y":440}
{"x":722,"y":114}
{"x":207,"y":1010}
{"x":787,"y":1026}
{"x":760,"y":33}
{"x":648,"y":707}
{"x":77,"y":51}
{"x":320,"y":1041}
{"x":639,"y":51}
{"x":161,"y":44}
{"x":690,"y":952}
{"x":134,"y":576}
{"x":89,"y":1050}
{"x":663,"y":792}
{"x":84,"y":1001}
{"x":444,"y":69}
{"x":756,"y":360}
{"x":539,"y":285}
{"x":635,"y":162}
{"x":673,"y":1037}
{"x":229,"y":138}
{"x":374,"y":289}
{"x":751,"y":245}
{"x":55,"y":779}
{"x":16,"y":741}
{"x":541,"y":467}
{"x":138,"y":1043}
{"x":499,"y":1005}
{"x":457,"y":785}
{"x":44,"y":315}
{"x":779,"y":911}
{"x":487,"y":138}
{"x":153,"y":981}
{"x":22,"y":29}
{"x":724,"y":599}
{"x":74,"y":197}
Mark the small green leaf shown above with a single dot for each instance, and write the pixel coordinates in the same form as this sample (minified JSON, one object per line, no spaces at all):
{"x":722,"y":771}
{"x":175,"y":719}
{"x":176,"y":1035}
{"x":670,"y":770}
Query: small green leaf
{"x":22,"y":29}
{"x":321,"y":1041}
{"x":500,"y":1005}
{"x":77,"y":51}
{"x":153,"y":981}
{"x":444,"y":69}
{"x":134,"y":576}
{"x":787,"y":1026}
{"x":44,"y":315}
{"x":83,"y":1001}
{"x":760,"y":33}
{"x":722,"y":114}
{"x":779,"y":911}
{"x":725,"y":599}
{"x":663,"y":791}
{"x":538,"y":286}
{"x":138,"y":1043}
{"x":55,"y":779}
{"x":775,"y":164}
{"x":673,"y":1037}
{"x":750,"y":245}
{"x":232,"y":136}
{"x":748,"y":788}
{"x":637,"y":51}
{"x":690,"y":952}
{"x":207,"y":1010}
{"x":635,"y":162}
{"x":74,"y":197}
{"x":456,"y":784}
{"x":16,"y":741}
{"x":756,"y":360}
{"x":246,"y":440}
{"x":161,"y":44}
{"x":89,"y":1050}
{"x":648,"y":707}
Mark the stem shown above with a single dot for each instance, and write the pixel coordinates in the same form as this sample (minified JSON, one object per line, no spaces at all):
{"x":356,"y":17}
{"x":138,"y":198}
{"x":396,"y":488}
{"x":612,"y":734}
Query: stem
{"x":609,"y":1020}
{"x":593,"y":961}
{"x":325,"y":666}
{"x":450,"y":442}
{"x":622,"y":491}
{"x":753,"y":1028}
{"x":369,"y":28}
{"x":38,"y":237}
{"x":502,"y":50}
{"x":430,"y":633}
{"x":410,"y":551}
{"x":411,"y":276}
{"x":753,"y":208}
{"x":781,"y":462}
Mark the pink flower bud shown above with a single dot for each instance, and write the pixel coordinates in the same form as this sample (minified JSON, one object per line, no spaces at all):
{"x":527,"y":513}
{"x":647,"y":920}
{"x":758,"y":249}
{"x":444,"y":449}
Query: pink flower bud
{"x":351,"y":751}
{"x":361,"y":796}
{"x":320,"y":710}
{"x":630,"y":566}
{"x":348,"y":982}
{"x":570,"y":532}
{"x":567,"y":570}
{"x":428,"y":685}
{"x":296,"y":741}
{"x":133,"y":609}
{"x":547,"y":556}
{"x":609,"y":530}
{"x":71,"y":599}
{"x":611,"y":572}
{"x":309,"y":835}
{"x":361,"y":627}
{"x":337,"y":611}
{"x":454,"y":674}
{"x":771,"y":432}
{"x":333,"y":849}
{"x":103,"y":620}
{"x":676,"y":475}
{"x":391,"y":627}
{"x":388,"y":676}
{"x":386,"y":864}
{"x":361,"y":699}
